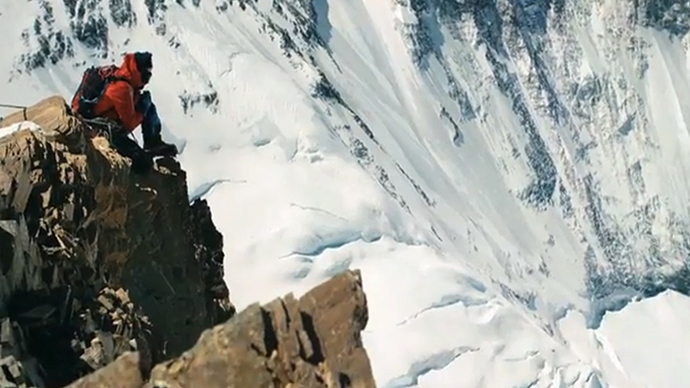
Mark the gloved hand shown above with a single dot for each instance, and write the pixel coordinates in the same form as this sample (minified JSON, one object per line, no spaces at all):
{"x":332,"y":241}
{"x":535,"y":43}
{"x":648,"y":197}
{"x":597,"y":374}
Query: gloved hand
{"x":144,"y":102}
{"x":142,"y":163}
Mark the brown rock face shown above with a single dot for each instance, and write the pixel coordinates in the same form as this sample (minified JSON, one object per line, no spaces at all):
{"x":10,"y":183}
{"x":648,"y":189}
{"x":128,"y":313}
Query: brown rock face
{"x":88,"y":248}
{"x":104,"y":274}
{"x":123,"y":373}
{"x":313,"y":342}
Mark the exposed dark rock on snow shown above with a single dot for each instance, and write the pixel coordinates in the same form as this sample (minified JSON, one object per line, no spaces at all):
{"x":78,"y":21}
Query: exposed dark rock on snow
{"x":96,"y":261}
{"x":44,"y":43}
{"x":88,"y":24}
{"x":532,"y":49}
{"x":208,"y":99}
{"x":670,"y":15}
{"x":121,"y":13}
{"x":311,"y":342}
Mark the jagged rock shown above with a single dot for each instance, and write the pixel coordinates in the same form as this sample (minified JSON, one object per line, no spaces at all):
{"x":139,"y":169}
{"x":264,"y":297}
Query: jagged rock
{"x":57,"y":124}
{"x":312,"y":342}
{"x":16,"y":372}
{"x":96,"y":261}
{"x":208,"y":246}
{"x":125,"y":372}
{"x":114,"y":326}
{"x":102,"y":270}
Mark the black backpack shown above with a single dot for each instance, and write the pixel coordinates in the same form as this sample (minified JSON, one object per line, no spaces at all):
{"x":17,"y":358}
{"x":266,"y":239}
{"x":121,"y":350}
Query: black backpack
{"x":92,"y":87}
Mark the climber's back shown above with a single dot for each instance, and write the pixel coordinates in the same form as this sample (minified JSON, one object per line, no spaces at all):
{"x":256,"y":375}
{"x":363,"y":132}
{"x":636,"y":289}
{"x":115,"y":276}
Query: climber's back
{"x":113,"y":92}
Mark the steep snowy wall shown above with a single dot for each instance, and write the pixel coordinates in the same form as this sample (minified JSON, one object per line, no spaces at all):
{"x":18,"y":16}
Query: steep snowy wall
{"x":491,"y":166}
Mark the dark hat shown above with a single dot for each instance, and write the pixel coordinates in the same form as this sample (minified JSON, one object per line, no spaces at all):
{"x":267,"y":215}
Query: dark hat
{"x":143,"y":60}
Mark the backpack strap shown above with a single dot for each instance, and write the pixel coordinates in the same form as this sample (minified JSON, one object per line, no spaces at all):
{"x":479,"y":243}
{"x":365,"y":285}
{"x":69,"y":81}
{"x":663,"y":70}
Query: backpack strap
{"x":108,"y":74}
{"x":112,"y":79}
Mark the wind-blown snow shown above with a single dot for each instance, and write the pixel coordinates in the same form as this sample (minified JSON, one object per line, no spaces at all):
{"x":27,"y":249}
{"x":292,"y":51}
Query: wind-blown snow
{"x":503,"y":172}
{"x":20,"y":126}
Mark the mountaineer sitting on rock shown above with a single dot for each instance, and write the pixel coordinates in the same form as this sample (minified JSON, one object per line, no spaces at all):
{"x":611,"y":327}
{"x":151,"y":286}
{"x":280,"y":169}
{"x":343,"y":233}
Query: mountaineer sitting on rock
{"x":116,"y":93}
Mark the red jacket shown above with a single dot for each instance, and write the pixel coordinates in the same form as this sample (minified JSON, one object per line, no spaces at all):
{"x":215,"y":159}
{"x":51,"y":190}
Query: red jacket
{"x":120,"y":97}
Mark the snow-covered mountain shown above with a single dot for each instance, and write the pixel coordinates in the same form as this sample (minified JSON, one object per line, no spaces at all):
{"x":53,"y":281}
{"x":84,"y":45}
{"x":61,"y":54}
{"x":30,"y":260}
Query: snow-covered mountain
{"x":504,"y":172}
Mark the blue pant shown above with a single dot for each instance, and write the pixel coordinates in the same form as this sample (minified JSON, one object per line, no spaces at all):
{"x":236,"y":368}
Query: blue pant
{"x":151,"y":124}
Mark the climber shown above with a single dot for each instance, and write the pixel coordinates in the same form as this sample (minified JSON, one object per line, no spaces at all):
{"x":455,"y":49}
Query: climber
{"x":116,"y":93}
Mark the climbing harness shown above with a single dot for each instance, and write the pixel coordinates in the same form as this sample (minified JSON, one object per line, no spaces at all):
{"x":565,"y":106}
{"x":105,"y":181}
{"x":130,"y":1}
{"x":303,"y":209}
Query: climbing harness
{"x":106,"y":127}
{"x":102,"y":126}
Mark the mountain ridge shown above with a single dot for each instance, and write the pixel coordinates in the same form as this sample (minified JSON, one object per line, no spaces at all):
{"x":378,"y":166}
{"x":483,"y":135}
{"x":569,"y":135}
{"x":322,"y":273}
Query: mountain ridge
{"x":535,"y":149}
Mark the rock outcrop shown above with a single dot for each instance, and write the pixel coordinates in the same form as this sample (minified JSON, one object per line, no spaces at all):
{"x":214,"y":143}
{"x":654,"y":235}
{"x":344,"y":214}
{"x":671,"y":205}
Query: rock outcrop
{"x":112,"y":279}
{"x":96,"y":261}
{"x":312,"y":342}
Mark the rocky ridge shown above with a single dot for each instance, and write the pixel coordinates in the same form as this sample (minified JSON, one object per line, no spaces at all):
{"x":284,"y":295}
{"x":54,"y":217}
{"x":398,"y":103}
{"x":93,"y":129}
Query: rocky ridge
{"x":107,"y":271}
{"x":309,"y":342}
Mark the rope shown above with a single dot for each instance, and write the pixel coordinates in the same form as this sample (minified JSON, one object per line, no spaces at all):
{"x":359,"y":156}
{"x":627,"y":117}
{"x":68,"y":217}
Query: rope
{"x":98,"y":121}
{"x":106,"y":127}
{"x":13,"y":106}
{"x":23,"y":108}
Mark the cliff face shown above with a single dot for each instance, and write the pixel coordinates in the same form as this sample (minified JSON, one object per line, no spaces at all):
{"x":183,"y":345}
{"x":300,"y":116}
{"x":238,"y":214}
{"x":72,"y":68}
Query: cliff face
{"x":109,"y":272}
{"x":311,"y":342}
{"x":96,"y":261}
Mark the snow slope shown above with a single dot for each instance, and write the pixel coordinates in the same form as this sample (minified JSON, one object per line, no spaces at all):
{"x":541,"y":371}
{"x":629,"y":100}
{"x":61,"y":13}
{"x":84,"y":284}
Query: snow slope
{"x":503,"y":172}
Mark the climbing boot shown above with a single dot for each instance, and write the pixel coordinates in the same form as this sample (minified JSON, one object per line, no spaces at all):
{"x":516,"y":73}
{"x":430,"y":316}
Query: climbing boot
{"x":157,"y":147}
